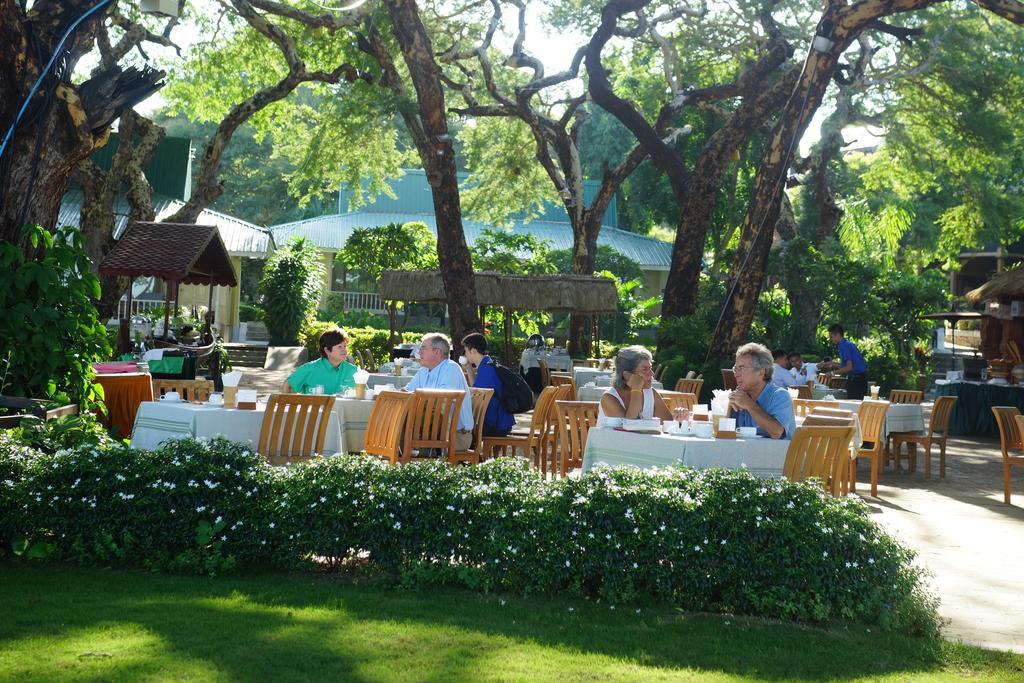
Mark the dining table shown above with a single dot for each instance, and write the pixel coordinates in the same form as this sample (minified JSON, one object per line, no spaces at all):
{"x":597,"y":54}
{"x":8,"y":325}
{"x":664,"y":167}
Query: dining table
{"x":899,"y":417}
{"x":123,"y":393}
{"x":614,"y":447}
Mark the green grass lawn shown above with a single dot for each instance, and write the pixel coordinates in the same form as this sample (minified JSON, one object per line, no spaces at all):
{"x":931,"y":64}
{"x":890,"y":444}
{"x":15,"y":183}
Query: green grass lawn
{"x":63,"y":623}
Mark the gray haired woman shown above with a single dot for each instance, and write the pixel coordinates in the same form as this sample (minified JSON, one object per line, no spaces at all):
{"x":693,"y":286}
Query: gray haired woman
{"x":631,"y":395}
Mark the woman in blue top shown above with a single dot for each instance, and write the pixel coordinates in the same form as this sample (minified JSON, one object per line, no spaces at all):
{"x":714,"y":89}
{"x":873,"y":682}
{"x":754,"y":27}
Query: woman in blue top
{"x":497,"y":420}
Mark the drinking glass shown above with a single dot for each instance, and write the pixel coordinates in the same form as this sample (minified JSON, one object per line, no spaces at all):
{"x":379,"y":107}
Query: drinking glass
{"x":680,"y":414}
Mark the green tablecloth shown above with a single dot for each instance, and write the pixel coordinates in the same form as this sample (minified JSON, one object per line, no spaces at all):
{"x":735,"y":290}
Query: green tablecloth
{"x":972,"y":413}
{"x":170,"y":365}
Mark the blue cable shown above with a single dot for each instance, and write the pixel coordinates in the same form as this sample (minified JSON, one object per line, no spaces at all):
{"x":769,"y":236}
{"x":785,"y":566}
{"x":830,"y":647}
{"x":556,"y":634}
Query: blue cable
{"x":49,"y":65}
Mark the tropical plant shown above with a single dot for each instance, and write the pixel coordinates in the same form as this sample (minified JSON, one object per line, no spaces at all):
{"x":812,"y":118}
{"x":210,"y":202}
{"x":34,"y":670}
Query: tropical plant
{"x":49,"y":332}
{"x":290,"y":289}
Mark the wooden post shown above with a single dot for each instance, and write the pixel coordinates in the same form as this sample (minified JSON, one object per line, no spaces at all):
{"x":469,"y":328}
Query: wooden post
{"x":167,"y":307}
{"x":508,"y":338}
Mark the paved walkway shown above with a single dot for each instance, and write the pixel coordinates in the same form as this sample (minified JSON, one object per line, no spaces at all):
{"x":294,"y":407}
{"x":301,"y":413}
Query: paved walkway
{"x":965,"y":535}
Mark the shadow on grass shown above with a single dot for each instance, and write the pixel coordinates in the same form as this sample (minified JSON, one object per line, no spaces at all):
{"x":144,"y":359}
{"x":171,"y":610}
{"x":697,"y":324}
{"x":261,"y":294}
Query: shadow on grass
{"x":289,"y":627}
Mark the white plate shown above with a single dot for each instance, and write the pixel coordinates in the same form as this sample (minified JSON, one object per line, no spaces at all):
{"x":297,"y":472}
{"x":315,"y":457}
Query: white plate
{"x":755,"y":436}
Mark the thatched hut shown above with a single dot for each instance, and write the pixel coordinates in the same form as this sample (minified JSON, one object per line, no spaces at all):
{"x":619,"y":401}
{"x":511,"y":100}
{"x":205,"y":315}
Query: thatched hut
{"x":552,"y":293}
{"x":1003,"y":297}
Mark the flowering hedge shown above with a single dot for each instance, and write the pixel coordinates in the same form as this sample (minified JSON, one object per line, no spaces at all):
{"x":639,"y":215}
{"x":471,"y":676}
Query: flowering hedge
{"x":698,"y":539}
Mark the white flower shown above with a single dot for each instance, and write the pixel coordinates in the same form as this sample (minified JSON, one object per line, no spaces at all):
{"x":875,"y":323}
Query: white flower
{"x":271,"y":525}
{"x":398,"y":525}
{"x":824,"y":553}
{"x":723,"y":542}
{"x":567,"y":563}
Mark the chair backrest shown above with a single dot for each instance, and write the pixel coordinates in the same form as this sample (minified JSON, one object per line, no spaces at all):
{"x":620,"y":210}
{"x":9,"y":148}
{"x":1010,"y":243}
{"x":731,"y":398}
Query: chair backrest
{"x":826,"y":411}
{"x":432,"y":420}
{"x":728,"y":378}
{"x":545,"y":373}
{"x":905,"y":396}
{"x":540,"y":410}
{"x":836,"y":382}
{"x":574,"y":420}
{"x":690,"y":374}
{"x":803,"y":406}
{"x":371,"y":364}
{"x":384,"y":430}
{"x":469,"y":373}
{"x":360,"y":358}
{"x":823,"y":378}
{"x":559,"y":379}
{"x":941,"y":412}
{"x":818,"y":420}
{"x":294,"y":427}
{"x":677,"y":399}
{"x":1009,"y":432}
{"x":481,"y":398}
{"x":188,"y":389}
{"x":690,"y":386}
{"x":822,"y":452}
{"x":804,"y":391}
{"x":872,"y":417}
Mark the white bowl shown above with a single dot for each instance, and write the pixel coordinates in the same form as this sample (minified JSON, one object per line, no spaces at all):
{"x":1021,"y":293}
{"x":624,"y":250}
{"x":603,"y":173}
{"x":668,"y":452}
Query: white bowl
{"x":747,"y":431}
{"x":704,"y":430}
{"x":613,"y":422}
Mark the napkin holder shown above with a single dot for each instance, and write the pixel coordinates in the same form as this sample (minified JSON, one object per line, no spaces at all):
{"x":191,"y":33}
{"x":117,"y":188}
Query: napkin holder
{"x":230,"y":397}
{"x":247,"y":399}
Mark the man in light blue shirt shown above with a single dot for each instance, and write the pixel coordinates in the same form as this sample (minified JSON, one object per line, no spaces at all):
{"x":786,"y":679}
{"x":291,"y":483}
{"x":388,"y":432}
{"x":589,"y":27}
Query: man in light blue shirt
{"x":757,"y":402}
{"x":439,"y":371}
{"x":781,"y":376}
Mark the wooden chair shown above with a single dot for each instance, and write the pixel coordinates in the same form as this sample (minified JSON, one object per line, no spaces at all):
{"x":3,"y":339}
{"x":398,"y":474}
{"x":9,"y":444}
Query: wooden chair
{"x":678,"y":399}
{"x":559,"y":379}
{"x":818,"y":420}
{"x":574,"y":421}
{"x":371,"y":364}
{"x":690,"y":386}
{"x":432,"y":420}
{"x":825,"y":411}
{"x":529,"y":443}
{"x":1009,"y":439}
{"x":823,"y":378}
{"x":804,"y":391}
{"x":470,"y":373}
{"x":360,"y":359}
{"x":545,"y":373}
{"x":906,"y":396}
{"x":872,"y":418}
{"x":836,"y":382}
{"x":480,"y":398}
{"x":384,"y":430}
{"x":822,"y":452}
{"x":938,"y":426}
{"x":294,"y":427}
{"x":548,"y":441}
{"x":188,"y":389}
{"x":803,"y":406}
{"x":728,"y":379}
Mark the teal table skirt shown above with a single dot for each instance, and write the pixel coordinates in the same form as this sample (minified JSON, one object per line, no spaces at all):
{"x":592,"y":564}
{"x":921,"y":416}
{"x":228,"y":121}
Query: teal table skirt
{"x":169,"y":365}
{"x":972,"y":413}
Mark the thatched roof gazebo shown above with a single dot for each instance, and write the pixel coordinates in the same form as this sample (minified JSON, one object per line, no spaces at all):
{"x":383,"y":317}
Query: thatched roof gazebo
{"x":1002,"y":287}
{"x":554,"y":293}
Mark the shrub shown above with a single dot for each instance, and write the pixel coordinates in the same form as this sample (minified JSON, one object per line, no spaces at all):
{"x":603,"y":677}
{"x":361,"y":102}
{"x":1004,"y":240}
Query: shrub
{"x":247,"y":312}
{"x":50,"y":331}
{"x":361,"y":339}
{"x":15,"y":459}
{"x":290,"y":289}
{"x":699,"y":539}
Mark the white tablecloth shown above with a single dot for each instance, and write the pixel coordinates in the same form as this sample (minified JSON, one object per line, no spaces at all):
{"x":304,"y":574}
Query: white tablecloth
{"x":379,"y":378}
{"x":900,"y":417}
{"x":158,"y":421}
{"x":763,"y":457}
{"x":559,"y":362}
{"x":595,"y":393}
{"x":819,"y":392}
{"x":583,"y":375}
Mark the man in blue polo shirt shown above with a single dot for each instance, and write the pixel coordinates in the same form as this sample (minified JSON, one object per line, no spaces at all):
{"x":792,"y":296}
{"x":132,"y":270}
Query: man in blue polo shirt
{"x":757,"y":402}
{"x":438,"y":371}
{"x":851,"y":363}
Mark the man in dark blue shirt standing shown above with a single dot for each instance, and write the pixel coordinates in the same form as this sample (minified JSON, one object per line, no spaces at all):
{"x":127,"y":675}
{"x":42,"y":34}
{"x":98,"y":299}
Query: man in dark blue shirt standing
{"x":851,"y":363}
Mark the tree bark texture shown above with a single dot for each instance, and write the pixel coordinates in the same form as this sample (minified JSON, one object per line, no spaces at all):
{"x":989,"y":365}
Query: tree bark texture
{"x":438,"y":159}
{"x":64,"y":123}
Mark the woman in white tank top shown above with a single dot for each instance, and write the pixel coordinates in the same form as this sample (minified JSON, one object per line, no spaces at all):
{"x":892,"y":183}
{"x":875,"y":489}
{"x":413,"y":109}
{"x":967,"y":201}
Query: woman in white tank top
{"x":631,"y":395}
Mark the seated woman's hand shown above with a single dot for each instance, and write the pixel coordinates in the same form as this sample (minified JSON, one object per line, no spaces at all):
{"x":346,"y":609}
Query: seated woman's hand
{"x":635,"y":381}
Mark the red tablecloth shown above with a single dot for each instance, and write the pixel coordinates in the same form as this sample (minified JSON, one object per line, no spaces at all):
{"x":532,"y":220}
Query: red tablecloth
{"x":116,"y":367}
{"x":123,"y":392}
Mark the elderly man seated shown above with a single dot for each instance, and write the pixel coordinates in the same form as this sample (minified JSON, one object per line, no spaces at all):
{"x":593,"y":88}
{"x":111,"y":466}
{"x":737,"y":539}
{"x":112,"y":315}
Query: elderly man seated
{"x":757,"y":402}
{"x":439,"y":371}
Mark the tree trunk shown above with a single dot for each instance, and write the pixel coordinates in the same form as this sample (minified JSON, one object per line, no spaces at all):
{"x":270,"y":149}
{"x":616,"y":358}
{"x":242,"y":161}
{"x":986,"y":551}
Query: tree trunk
{"x":438,"y":157}
{"x":584,"y":260}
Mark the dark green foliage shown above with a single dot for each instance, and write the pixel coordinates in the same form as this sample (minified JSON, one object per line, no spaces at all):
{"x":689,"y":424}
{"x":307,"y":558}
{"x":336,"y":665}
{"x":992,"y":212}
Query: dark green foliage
{"x":710,"y":540}
{"x":49,"y":332}
{"x":290,"y":289}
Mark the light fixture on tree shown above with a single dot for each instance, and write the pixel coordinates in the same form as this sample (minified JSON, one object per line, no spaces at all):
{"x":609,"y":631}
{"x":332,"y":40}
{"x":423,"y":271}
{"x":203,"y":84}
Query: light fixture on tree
{"x":166,"y":8}
{"x":822,"y":41}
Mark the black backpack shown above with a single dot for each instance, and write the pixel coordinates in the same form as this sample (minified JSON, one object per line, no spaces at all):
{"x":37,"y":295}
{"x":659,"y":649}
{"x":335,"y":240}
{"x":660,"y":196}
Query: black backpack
{"x":517,"y":396}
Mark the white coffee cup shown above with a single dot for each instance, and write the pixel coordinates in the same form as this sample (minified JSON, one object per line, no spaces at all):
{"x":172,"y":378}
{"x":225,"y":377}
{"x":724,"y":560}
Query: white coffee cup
{"x":747,"y":431}
{"x":704,"y":430}
{"x":216,"y":399}
{"x":171,"y":396}
{"x":463,"y":360}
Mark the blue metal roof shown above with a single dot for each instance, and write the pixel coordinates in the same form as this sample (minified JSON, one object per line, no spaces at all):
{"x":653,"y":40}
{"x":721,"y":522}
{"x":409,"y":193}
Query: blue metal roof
{"x":331,"y":232}
{"x":412,"y":195}
{"x":240,"y":237}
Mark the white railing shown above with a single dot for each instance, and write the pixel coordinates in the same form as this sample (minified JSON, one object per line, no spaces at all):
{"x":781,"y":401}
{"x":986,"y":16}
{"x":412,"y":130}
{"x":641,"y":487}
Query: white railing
{"x":363,"y":301}
{"x":137,"y":306}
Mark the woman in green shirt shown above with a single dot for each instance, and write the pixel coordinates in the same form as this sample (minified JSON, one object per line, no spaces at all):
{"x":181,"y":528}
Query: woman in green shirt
{"x":333,"y":371}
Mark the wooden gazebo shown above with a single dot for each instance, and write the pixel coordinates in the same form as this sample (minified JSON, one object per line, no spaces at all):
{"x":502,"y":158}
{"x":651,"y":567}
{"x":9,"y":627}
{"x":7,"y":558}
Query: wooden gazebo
{"x":581,"y":294}
{"x":175,"y":252}
{"x":1000,"y":327}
